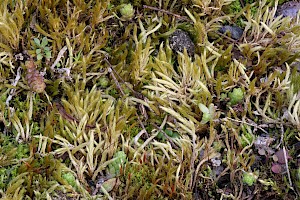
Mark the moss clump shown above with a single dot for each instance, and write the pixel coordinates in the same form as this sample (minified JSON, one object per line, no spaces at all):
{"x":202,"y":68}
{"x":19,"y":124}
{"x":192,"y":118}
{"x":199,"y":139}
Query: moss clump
{"x":119,"y":161}
{"x":100,"y":89}
{"x":127,"y":11}
{"x":70,"y":178}
{"x":249,"y":178}
{"x":236,"y":96}
{"x":103,"y":82}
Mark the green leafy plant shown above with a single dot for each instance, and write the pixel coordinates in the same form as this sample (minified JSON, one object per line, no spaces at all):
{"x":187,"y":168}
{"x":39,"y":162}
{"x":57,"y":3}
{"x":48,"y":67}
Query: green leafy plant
{"x":208,"y":113}
{"x":169,"y":133}
{"x":70,"y":178}
{"x":247,"y":136}
{"x":236,"y":96}
{"x":42,"y":50}
{"x":249,"y":178}
{"x":127,"y":11}
{"x":118,"y":161}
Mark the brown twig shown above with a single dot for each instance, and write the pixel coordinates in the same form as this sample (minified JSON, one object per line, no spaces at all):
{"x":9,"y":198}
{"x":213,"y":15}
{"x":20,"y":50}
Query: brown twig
{"x":229,"y":38}
{"x":242,"y":3}
{"x":67,"y":116}
{"x":111,"y":71}
{"x":136,"y":94}
{"x":142,"y":125}
{"x":166,"y":135}
{"x":253,"y":124}
{"x":167,"y":12}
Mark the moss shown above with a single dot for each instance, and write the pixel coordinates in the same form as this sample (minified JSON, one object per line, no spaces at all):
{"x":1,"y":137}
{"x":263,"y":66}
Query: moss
{"x":22,"y":151}
{"x":139,"y":180}
{"x":161,"y":136}
{"x":236,"y":96}
{"x":247,"y":137}
{"x":127,"y":11}
{"x":70,"y":178}
{"x":235,"y":7}
{"x":118,"y":163}
{"x":249,"y":178}
{"x":6,"y":175}
{"x":84,"y":108}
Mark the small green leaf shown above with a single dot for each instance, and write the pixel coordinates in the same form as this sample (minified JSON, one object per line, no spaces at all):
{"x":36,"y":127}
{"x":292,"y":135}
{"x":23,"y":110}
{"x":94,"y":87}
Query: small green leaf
{"x":44,"y":42}
{"x":39,"y":57}
{"x":114,"y":167}
{"x":47,"y":49}
{"x":38,"y":51}
{"x":103,"y":82}
{"x":127,"y":11}
{"x":37,"y":41}
{"x":48,"y":54}
{"x":70,"y":178}
{"x":172,"y":134}
{"x":223,"y":96}
{"x":160,"y":135}
{"x":169,"y":132}
{"x":208,"y":112}
{"x":203,"y":108}
{"x":206,"y":118}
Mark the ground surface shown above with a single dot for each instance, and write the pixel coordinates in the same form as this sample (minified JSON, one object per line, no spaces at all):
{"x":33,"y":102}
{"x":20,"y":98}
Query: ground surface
{"x":149,"y":99}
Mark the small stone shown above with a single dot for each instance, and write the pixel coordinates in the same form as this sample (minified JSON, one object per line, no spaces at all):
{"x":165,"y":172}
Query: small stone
{"x":218,"y":170}
{"x":234,"y":31}
{"x":215,"y":162}
{"x":275,"y":158}
{"x":280,"y":156}
{"x":19,"y":56}
{"x":261,"y":152}
{"x":263,"y":142}
{"x":276,"y":168}
{"x":180,"y":40}
{"x":288,"y":9}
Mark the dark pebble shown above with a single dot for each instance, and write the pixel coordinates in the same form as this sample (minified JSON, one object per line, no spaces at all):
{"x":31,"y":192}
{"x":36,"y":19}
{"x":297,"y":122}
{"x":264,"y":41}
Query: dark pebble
{"x":234,"y":31}
{"x":288,"y":9}
{"x":180,"y":40}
